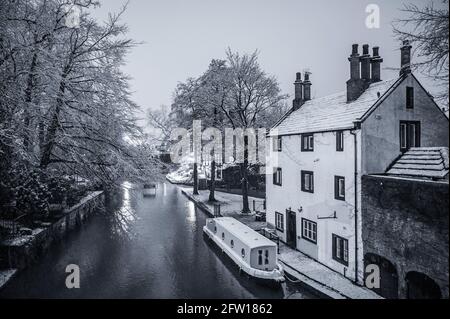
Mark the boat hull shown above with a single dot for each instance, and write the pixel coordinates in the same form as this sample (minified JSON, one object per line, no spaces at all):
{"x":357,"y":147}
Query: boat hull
{"x":269,"y":278}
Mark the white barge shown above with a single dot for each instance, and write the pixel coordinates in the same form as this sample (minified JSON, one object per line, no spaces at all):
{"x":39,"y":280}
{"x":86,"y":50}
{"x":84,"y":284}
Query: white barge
{"x":255,"y":254}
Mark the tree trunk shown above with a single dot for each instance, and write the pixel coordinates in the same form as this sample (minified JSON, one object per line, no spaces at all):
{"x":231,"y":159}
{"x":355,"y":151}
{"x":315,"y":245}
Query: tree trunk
{"x":53,"y":127}
{"x":28,"y":99}
{"x":212,"y":187}
{"x":195,"y":179}
{"x":244,"y":179}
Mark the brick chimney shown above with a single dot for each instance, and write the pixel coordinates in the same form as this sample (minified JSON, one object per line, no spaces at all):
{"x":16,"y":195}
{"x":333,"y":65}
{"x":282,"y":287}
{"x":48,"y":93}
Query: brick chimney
{"x":298,"y":84}
{"x":307,"y":87}
{"x":405,"y":68}
{"x":365,"y":64}
{"x":375,"y":62}
{"x":355,"y":86}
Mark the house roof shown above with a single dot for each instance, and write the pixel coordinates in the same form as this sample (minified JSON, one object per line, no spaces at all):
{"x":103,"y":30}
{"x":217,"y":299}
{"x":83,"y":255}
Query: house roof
{"x":332,"y":112}
{"x":422,"y":162}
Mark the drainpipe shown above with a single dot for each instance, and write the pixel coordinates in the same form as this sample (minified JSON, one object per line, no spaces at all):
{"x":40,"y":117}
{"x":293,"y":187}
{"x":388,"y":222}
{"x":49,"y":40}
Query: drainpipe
{"x":355,"y":144}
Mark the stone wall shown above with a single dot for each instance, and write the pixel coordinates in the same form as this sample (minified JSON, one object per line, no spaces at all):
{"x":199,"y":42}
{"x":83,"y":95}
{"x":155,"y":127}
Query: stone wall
{"x":406,"y":222}
{"x":24,"y":250}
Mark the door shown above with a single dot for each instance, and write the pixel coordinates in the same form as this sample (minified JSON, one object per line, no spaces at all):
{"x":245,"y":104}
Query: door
{"x":409,"y":135}
{"x":291,"y":234}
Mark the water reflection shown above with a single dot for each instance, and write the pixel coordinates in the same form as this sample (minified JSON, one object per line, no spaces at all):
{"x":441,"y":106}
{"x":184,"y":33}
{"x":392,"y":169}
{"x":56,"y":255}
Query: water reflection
{"x":142,"y":248}
{"x":190,"y":216}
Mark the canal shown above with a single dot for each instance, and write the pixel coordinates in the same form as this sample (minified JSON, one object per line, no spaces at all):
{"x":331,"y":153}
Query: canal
{"x":140,"y":247}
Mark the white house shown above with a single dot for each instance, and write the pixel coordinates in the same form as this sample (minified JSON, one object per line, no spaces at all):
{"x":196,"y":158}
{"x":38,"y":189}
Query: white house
{"x":323,"y":146}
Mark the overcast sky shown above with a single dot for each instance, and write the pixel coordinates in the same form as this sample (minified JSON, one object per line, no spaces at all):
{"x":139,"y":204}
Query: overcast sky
{"x":182,"y":36}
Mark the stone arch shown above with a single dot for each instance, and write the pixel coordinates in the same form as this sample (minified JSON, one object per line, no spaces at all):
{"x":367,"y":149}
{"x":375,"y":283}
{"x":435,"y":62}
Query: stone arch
{"x":421,"y":286}
{"x":388,"y":275}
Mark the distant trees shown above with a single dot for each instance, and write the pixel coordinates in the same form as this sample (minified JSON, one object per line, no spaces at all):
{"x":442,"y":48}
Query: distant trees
{"x":427,"y":28}
{"x":234,"y":93}
{"x":65,"y":105}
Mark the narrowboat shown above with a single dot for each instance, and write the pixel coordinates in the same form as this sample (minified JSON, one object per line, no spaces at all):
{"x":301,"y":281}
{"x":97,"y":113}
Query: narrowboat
{"x":253,"y":253}
{"x":149,"y":190}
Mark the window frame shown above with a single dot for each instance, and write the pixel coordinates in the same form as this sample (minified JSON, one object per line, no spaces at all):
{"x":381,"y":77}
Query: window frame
{"x":309,"y":145}
{"x":303,"y":178}
{"x":278,"y":170}
{"x":306,"y":222}
{"x":337,"y":194}
{"x":339,"y":141}
{"x":404,"y":135}
{"x":277,"y":144}
{"x":341,"y":243}
{"x":410,"y":98}
{"x":279,"y":222}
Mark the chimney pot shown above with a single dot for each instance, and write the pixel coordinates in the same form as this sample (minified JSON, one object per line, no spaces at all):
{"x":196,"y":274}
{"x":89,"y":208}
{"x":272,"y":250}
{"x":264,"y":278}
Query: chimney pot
{"x":298,"y":84}
{"x":307,"y":87}
{"x":365,"y":64}
{"x":405,"y":58}
{"x":375,"y":62}
{"x":376,"y":51}
{"x":355,"y":49}
{"x":365,"y":49}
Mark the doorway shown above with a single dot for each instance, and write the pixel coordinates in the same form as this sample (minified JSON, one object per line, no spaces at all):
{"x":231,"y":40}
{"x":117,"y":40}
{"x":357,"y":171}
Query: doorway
{"x":291,"y":234}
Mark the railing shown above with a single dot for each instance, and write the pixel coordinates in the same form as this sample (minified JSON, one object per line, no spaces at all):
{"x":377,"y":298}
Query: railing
{"x":11,"y":227}
{"x":259,"y":205}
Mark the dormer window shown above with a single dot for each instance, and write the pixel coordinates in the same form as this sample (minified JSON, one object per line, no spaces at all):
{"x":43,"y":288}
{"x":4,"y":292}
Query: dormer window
{"x":307,"y":142}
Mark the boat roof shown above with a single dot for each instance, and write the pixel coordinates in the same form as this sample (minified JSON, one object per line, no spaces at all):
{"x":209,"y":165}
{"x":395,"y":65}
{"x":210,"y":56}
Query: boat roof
{"x":248,"y":236}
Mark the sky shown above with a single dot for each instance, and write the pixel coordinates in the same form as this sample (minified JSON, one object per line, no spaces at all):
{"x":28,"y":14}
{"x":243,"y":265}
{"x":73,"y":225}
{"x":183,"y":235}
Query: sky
{"x":180,"y":37}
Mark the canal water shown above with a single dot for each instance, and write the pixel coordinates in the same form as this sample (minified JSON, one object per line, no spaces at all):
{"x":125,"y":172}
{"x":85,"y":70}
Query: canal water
{"x":150,"y":247}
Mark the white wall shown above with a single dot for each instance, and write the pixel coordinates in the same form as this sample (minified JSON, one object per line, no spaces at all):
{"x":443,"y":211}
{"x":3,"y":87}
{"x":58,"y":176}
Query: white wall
{"x":325,"y":162}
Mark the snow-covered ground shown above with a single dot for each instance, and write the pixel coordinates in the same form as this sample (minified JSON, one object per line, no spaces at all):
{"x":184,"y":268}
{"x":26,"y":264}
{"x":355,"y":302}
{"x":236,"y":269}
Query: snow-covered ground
{"x":332,"y":283}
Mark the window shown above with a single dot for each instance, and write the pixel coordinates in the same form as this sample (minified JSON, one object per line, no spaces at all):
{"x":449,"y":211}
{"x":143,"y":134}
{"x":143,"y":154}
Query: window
{"x":309,"y":230}
{"x":409,"y":135}
{"x":232,"y":243}
{"x":279,"y":221}
{"x":260,"y":257}
{"x":409,"y":97}
{"x":243,"y":253}
{"x":277,"y":177}
{"x":340,"y":141}
{"x":215,"y":229}
{"x":223,"y":236}
{"x":307,"y":181}
{"x":340,"y":249}
{"x":277,"y":144}
{"x":219,"y":174}
{"x":266,"y":259}
{"x":339,"y":188}
{"x":307,"y":142}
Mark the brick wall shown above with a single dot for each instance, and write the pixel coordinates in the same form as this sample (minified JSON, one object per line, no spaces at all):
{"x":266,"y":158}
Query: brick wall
{"x":406,"y":222}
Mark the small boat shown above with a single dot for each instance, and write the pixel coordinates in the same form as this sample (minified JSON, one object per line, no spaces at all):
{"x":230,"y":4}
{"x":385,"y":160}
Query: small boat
{"x":149,"y":190}
{"x":254,"y":254}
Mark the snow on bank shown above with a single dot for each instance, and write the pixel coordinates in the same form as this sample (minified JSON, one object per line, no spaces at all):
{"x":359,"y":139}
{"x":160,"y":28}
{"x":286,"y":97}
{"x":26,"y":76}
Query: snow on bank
{"x":6,"y":275}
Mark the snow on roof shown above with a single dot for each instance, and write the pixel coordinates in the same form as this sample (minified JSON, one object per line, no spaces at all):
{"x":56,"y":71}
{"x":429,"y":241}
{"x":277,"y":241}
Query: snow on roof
{"x":423,"y":162}
{"x":247,"y":235}
{"x":331,"y":112}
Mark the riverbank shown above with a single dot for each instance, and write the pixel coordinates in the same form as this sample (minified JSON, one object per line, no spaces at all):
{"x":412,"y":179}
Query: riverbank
{"x":298,"y":266}
{"x":19,"y":252}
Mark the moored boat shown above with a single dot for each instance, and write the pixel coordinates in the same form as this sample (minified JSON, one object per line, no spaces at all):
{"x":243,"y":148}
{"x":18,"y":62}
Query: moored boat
{"x":149,"y":189}
{"x":254,"y":254}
